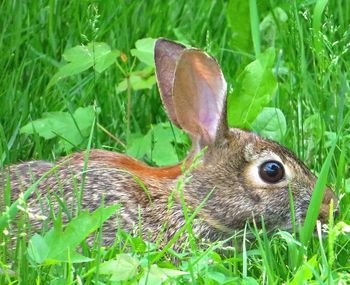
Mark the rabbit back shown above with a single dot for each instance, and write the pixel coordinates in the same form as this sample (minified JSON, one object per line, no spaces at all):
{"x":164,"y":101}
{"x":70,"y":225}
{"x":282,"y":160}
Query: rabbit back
{"x":108,"y":178}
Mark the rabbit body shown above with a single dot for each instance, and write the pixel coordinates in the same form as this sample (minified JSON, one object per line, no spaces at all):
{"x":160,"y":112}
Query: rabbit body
{"x":237,"y":173}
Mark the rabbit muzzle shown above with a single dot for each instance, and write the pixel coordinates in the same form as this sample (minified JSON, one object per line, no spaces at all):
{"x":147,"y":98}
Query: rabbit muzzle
{"x":329,"y":197}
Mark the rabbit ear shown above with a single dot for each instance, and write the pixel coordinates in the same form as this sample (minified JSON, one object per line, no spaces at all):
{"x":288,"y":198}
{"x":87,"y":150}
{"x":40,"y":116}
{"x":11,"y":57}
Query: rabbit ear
{"x":166,"y":55}
{"x":199,"y":93}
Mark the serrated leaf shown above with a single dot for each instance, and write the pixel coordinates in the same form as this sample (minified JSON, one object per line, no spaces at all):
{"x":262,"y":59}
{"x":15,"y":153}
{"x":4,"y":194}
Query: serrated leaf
{"x":80,"y":58}
{"x":123,"y":267}
{"x":145,"y":51}
{"x":270,"y":124}
{"x":255,"y":87}
{"x":72,"y":129}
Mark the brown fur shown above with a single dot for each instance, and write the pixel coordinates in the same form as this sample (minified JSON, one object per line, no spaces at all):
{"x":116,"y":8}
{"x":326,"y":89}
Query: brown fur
{"x":138,"y":168}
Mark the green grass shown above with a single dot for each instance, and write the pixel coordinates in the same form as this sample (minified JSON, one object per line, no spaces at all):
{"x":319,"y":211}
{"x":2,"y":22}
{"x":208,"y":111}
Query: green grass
{"x":311,"y":66}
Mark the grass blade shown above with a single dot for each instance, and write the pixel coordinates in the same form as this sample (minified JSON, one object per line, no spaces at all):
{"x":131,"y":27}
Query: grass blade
{"x":316,"y":199}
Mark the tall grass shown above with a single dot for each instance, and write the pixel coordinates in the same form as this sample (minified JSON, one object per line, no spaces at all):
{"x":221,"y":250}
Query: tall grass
{"x":313,"y":59}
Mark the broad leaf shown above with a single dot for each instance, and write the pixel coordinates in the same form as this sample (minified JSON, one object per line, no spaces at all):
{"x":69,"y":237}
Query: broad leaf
{"x":123,"y":267}
{"x":38,"y":248}
{"x":271,"y":124}
{"x":249,"y":281}
{"x":165,"y":137}
{"x":71,"y":129}
{"x":59,"y":245}
{"x":136,"y":82}
{"x":80,"y":58}
{"x":139,"y":145}
{"x":255,"y":87}
{"x":305,"y":272}
{"x":156,"y":275}
{"x":145,"y":51}
{"x":157,"y":145}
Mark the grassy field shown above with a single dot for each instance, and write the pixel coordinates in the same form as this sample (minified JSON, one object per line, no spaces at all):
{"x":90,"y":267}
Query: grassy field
{"x":118,"y":104}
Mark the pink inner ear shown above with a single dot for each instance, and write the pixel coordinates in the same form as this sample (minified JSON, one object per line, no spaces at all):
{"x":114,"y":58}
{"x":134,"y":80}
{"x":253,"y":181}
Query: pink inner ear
{"x":212,"y":90}
{"x":209,"y":112}
{"x":199,"y":94}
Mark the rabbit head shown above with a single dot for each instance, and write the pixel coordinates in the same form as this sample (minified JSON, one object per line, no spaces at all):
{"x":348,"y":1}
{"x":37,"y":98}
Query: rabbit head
{"x":249,"y":176}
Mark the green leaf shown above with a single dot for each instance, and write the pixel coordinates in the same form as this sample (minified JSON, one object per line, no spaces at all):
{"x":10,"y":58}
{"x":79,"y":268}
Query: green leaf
{"x":38,"y":249}
{"x":305,"y":272}
{"x":59,"y":245}
{"x":124,"y":267}
{"x":157,"y":144}
{"x":249,"y":281}
{"x":145,"y":51}
{"x":71,"y":129}
{"x":164,"y":144}
{"x":69,"y":70}
{"x":80,"y":58}
{"x":136,"y":82}
{"x":139,"y":145}
{"x":347,"y":186}
{"x":218,"y":277}
{"x":156,"y":275}
{"x":255,"y":87}
{"x":138,"y":245}
{"x":164,"y":153}
{"x":106,"y":61}
{"x":271,"y":124}
{"x":67,"y":256}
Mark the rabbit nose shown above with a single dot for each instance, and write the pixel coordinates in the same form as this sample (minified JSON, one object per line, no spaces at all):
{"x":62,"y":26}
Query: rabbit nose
{"x":324,"y":211}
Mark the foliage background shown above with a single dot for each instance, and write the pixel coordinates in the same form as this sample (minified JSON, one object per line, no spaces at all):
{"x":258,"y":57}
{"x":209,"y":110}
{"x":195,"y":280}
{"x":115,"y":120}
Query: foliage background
{"x":311,"y":39}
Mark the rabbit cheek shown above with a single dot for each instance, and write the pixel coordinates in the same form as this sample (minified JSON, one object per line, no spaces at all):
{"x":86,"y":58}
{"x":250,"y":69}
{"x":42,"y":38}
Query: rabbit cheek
{"x":255,"y":197}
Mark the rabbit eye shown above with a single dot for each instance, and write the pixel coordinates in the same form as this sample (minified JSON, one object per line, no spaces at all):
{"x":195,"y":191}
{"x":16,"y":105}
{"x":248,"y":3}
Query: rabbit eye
{"x":271,"y":171}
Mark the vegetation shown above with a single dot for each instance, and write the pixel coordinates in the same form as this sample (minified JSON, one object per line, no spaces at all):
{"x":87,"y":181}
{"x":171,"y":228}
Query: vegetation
{"x":80,"y":74}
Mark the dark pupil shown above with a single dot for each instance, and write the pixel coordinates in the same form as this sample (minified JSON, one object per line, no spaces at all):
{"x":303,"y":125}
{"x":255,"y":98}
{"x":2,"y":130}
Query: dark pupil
{"x":271,"y":171}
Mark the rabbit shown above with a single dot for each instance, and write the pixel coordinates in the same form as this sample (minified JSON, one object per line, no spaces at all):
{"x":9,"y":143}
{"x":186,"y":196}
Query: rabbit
{"x":242,"y":175}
